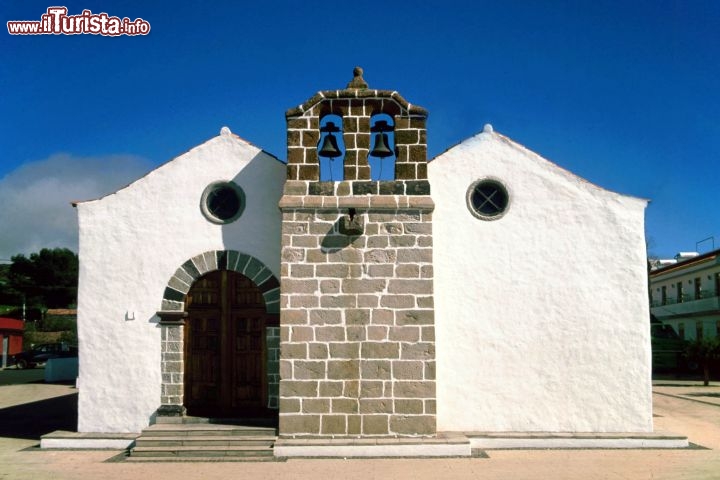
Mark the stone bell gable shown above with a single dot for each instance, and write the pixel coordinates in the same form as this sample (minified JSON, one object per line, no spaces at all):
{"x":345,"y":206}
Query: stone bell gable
{"x":357,"y":353}
{"x":356,"y":107}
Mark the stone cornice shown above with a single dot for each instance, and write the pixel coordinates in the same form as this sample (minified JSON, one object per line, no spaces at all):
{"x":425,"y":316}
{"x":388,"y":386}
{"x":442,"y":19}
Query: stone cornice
{"x":168,"y":317}
{"x":424,"y":203}
{"x":351,"y":93}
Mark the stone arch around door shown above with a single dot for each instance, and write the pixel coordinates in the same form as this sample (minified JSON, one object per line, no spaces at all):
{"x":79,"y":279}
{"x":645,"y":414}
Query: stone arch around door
{"x":179,"y":285}
{"x":173,"y":313}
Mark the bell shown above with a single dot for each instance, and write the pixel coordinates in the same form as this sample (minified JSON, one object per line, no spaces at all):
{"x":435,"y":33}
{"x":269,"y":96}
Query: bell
{"x":329,"y":147}
{"x":381,"y":149}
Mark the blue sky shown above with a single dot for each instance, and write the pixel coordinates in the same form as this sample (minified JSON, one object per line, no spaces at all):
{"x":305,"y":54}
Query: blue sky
{"x":623,"y":93}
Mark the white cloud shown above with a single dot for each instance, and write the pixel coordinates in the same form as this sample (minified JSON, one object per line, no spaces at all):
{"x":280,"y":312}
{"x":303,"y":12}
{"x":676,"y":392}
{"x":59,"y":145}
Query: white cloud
{"x":35,"y":199}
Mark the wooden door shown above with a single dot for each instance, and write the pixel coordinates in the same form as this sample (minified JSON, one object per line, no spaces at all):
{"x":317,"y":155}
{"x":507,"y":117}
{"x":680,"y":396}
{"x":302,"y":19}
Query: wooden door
{"x":248,"y":354}
{"x":225,"y":347}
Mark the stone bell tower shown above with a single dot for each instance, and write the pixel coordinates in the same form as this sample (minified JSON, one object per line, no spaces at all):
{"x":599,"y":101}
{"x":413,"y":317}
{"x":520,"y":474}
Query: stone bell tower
{"x":357,"y":355}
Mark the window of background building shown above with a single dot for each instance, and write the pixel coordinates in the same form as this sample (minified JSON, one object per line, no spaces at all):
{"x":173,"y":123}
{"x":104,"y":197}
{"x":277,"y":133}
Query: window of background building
{"x":698,"y":288}
{"x":663,"y":295}
{"x":699,"y":330}
{"x":679,"y":292}
{"x":681,"y":330}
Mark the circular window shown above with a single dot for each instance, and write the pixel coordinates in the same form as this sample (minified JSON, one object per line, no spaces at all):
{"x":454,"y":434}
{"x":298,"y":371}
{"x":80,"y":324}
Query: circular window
{"x":488,"y":199}
{"x":222,"y":202}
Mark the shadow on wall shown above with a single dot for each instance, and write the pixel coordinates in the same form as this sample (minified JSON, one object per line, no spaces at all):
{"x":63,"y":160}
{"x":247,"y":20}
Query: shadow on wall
{"x":337,"y":237}
{"x":258,"y":227}
{"x":32,"y":420}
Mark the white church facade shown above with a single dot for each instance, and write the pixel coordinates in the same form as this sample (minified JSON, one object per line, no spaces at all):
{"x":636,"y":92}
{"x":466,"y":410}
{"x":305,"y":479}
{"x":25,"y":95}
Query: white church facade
{"x":487,"y":290}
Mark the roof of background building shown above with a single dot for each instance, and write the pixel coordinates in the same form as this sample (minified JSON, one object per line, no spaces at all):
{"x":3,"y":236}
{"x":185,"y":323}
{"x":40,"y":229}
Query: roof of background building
{"x":684,"y":263}
{"x":11,"y":324}
{"x":62,"y":311}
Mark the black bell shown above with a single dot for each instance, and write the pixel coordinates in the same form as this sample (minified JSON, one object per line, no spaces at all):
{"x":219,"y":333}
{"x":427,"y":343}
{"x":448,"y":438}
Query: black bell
{"x":329,"y":147}
{"x":381,"y":148}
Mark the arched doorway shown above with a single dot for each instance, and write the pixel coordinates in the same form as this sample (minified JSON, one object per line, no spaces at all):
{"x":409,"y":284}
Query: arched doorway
{"x":225,"y":351}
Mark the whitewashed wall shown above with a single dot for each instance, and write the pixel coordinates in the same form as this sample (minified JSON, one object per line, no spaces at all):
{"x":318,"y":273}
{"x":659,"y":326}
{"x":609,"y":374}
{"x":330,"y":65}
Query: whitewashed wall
{"x":131,"y":243}
{"x":541,"y":316}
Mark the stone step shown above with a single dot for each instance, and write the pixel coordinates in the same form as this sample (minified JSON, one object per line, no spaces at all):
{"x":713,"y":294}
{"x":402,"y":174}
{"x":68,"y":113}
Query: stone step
{"x":204,"y":440}
{"x":200,"y":440}
{"x":202,"y":451}
{"x":202,"y":459}
{"x":200,"y":429}
{"x":186,"y":420}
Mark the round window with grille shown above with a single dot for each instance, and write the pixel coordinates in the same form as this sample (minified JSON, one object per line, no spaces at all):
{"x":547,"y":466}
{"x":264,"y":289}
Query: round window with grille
{"x":222,"y":202}
{"x":488,"y":199}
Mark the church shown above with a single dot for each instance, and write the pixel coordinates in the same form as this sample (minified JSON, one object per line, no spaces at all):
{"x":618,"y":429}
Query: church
{"x":359,"y":291}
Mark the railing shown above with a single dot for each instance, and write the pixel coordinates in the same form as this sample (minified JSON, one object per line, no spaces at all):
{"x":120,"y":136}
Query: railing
{"x":708,"y":294}
{"x":686,"y":297}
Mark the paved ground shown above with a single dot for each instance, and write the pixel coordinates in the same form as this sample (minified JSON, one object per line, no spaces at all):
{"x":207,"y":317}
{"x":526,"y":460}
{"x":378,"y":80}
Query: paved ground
{"x":14,"y":376}
{"x":27,"y":410}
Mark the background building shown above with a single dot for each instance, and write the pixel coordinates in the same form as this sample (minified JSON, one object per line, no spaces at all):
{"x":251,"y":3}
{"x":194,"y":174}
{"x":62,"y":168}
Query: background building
{"x":685,"y":293}
{"x":11,"y":337}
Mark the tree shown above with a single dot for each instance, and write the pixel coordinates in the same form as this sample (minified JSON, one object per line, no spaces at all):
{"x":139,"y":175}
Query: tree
{"x":7,"y":297}
{"x":704,"y":351}
{"x":47,"y":278}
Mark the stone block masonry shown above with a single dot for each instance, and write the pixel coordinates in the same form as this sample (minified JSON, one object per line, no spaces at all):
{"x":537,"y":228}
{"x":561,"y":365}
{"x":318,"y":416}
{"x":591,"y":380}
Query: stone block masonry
{"x":357,"y":337}
{"x":171,"y":366}
{"x":272,"y":341}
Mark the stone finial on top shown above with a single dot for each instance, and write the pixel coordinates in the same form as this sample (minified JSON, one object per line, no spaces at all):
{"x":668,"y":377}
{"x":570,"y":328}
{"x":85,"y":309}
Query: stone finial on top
{"x":357,"y":81}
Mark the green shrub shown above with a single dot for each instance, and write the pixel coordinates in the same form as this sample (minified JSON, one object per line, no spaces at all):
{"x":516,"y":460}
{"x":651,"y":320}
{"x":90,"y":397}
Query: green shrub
{"x":704,"y":351}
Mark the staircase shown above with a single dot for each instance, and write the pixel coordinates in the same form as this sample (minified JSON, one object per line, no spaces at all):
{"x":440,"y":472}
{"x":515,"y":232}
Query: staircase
{"x":204,"y":442}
